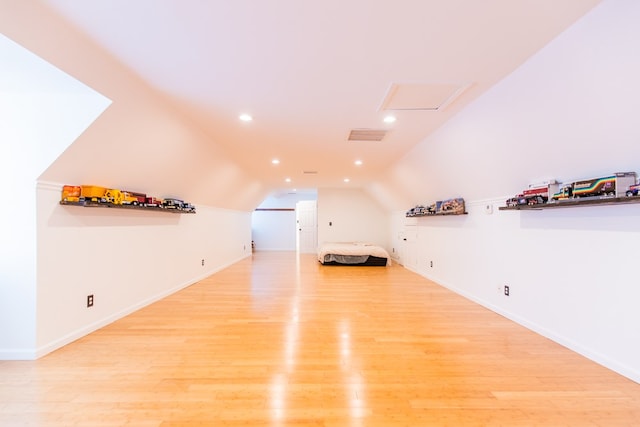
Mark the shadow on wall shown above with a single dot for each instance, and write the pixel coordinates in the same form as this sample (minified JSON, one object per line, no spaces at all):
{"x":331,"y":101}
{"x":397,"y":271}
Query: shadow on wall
{"x":596,"y":218}
{"x":77,"y":216}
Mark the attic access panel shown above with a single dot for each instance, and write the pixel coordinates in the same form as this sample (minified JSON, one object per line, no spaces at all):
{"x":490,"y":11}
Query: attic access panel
{"x":420,"y":96}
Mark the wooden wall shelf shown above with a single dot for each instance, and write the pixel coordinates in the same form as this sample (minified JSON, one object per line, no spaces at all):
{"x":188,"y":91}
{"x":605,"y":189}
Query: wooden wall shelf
{"x":436,"y":214}
{"x":570,"y":203}
{"x":130,"y":207}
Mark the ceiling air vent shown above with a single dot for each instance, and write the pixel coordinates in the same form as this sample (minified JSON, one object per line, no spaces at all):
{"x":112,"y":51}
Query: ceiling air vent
{"x":310,"y":172}
{"x":367,"y":135}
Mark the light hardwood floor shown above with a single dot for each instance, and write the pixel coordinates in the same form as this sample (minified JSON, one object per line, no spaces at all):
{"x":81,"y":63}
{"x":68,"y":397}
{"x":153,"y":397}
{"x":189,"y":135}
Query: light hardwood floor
{"x":277,"y":340}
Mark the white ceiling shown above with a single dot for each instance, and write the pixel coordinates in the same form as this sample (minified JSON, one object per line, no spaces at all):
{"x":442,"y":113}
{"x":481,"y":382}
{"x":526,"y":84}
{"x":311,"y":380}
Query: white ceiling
{"x":309,"y":72}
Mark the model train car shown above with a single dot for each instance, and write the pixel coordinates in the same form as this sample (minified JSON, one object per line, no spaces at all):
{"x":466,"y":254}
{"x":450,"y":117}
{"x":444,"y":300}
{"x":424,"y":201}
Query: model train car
{"x":93,"y":195}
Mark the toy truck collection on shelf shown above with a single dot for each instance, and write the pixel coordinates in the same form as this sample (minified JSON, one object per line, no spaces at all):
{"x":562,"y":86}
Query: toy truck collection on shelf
{"x":441,"y":207}
{"x":605,"y":189}
{"x":92,"y":195}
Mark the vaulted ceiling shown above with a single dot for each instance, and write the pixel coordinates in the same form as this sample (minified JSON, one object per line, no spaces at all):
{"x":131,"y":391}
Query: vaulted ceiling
{"x":310,"y":73}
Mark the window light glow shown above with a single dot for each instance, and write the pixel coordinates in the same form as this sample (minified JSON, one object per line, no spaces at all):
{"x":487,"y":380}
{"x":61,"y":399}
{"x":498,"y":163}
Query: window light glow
{"x":245,"y":117}
{"x":287,"y":180}
{"x":358,"y":162}
{"x":275,"y":161}
{"x":347,"y":180}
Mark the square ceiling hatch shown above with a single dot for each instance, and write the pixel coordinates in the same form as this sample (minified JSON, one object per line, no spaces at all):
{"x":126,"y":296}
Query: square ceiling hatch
{"x":420,"y":96}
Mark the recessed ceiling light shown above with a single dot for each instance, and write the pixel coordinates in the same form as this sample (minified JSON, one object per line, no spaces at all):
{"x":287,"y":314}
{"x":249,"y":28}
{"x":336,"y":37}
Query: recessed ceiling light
{"x":245,"y":117}
{"x":389,"y":119}
{"x":287,"y":180}
{"x":346,"y":180}
{"x":275,"y":161}
{"x":358,"y":162}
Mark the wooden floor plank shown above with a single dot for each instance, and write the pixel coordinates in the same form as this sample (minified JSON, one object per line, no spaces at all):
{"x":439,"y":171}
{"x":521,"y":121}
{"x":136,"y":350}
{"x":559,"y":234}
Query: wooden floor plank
{"x":280,"y":340}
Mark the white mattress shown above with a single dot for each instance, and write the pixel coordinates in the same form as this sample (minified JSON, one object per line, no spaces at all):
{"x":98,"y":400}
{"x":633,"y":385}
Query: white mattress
{"x":354,"y":251}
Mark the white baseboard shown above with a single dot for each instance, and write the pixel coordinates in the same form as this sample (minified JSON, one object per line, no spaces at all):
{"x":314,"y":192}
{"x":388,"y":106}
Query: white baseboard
{"x":562,"y":340}
{"x":32,"y":354}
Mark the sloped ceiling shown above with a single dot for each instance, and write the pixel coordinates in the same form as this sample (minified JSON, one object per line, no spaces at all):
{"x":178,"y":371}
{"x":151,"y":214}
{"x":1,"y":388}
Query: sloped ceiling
{"x":311,"y":72}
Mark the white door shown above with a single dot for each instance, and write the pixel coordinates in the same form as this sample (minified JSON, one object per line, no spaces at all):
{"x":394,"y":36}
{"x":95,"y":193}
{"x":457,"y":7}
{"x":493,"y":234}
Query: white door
{"x":307,"y":227}
{"x":409,"y":253}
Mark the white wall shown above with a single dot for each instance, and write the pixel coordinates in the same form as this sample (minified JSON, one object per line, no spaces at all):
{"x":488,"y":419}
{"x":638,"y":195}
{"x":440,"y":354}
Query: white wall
{"x":354,"y":216}
{"x":125,"y":258}
{"x":42,"y":110}
{"x":569,"y":112}
{"x":570,"y":272}
{"x":274,"y":230}
{"x":139,"y":144}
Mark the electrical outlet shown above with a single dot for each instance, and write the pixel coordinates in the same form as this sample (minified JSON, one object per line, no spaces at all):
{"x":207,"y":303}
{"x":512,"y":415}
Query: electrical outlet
{"x":203,"y":262}
{"x":431,"y":264}
{"x":90,"y":300}
{"x":506,"y":290}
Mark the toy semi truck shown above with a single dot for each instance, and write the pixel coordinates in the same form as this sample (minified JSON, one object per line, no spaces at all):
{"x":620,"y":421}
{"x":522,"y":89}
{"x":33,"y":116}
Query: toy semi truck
{"x":615,"y":185}
{"x":118,"y":197}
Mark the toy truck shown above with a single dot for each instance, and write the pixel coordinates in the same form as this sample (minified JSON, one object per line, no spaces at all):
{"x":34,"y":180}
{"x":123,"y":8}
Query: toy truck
{"x":140,"y":198}
{"x":118,"y":197}
{"x":615,"y":185}
{"x":152,"y":202}
{"x":535,"y":194}
{"x":188,"y":207}
{"x":71,"y":193}
{"x":93,"y":194}
{"x":452,"y":206}
{"x":418,"y":210}
{"x":633,"y":190}
{"x":171,"y":203}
